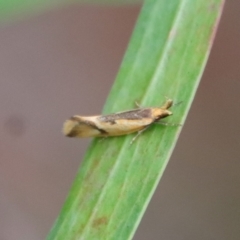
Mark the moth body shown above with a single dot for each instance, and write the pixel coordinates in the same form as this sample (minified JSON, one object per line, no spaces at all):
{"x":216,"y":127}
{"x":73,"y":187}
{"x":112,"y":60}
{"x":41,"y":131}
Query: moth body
{"x":117,"y":124}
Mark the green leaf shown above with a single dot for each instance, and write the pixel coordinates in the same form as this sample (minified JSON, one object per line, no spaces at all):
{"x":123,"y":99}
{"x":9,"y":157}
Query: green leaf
{"x":165,"y":57}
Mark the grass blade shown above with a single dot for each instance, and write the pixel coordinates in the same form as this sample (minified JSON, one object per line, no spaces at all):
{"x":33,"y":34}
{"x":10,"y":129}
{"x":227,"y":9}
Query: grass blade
{"x":166,"y":57}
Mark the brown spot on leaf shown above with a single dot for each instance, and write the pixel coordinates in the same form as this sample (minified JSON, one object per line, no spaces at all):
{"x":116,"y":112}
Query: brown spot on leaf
{"x":92,"y":169}
{"x":98,"y":222}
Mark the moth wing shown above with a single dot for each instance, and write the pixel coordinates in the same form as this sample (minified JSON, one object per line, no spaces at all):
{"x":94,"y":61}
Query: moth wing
{"x":80,"y":127}
{"x":123,"y":126}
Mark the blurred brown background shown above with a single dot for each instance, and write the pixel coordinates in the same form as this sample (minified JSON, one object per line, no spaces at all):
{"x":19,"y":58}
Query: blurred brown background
{"x":64,"y":62}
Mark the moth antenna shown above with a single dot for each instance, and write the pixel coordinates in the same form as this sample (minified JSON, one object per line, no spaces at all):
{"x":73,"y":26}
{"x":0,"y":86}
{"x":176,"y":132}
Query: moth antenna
{"x":178,"y":103}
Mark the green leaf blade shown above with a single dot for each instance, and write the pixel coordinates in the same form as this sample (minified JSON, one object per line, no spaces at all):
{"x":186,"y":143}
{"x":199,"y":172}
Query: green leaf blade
{"x":166,"y":57}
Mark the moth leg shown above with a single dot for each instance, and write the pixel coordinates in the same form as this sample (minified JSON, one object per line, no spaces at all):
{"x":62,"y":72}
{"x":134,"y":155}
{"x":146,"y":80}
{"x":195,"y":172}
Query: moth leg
{"x":137,"y":104}
{"x":101,"y":139}
{"x":138,"y":134}
{"x":168,"y":124}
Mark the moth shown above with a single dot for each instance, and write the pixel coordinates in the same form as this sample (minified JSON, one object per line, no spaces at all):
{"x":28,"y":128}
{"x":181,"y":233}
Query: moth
{"x":117,"y":124}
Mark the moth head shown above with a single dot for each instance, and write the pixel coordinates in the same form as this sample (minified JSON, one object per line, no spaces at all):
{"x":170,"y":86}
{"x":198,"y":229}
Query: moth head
{"x":165,"y":113}
{"x":165,"y":107}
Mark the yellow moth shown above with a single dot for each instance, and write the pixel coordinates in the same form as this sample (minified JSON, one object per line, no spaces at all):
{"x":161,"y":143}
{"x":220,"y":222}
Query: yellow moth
{"x":122,"y":123}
